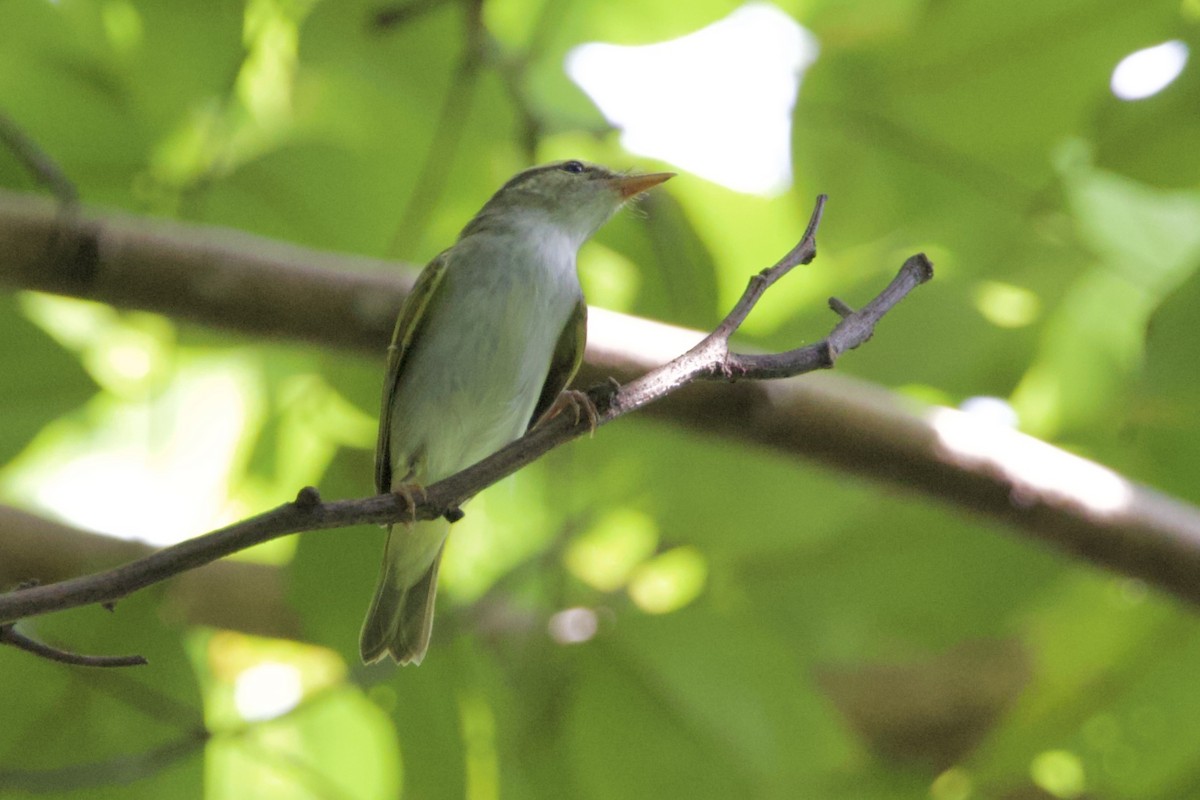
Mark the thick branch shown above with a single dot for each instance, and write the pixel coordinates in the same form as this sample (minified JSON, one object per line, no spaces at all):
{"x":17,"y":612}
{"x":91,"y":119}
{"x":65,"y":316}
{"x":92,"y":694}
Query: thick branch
{"x":231,"y":280}
{"x":214,"y":276}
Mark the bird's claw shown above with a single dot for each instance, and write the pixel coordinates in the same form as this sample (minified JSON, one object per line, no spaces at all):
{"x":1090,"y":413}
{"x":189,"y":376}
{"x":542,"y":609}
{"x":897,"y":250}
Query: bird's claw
{"x":580,"y":406}
{"x":410,"y":491}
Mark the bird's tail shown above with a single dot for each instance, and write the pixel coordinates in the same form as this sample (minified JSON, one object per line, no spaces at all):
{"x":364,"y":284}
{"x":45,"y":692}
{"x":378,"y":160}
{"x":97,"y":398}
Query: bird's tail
{"x":401,"y":615}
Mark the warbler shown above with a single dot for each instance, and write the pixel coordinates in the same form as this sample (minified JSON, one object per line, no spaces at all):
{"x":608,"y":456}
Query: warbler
{"x":492,"y":333}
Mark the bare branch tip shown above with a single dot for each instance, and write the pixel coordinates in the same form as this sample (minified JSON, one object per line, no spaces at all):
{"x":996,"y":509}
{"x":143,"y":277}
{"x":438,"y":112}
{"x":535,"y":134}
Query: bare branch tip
{"x":10,"y":636}
{"x":814,"y":221}
{"x":840,"y":308}
{"x":119,"y":661}
{"x":922,"y":265}
{"x":453,"y":515}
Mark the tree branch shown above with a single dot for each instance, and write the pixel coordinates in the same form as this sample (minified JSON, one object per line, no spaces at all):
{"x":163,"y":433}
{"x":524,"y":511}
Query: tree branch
{"x":710,"y":359}
{"x":37,"y":161}
{"x":11,"y":636}
{"x":259,"y":287}
{"x":214,"y":276}
{"x":238,"y":595}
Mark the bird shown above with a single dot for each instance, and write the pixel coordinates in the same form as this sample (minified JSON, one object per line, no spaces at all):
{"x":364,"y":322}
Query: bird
{"x":488,"y":339}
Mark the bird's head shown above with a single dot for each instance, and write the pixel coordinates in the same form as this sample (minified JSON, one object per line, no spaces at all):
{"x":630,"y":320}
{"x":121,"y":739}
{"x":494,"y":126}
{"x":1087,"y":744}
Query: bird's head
{"x":573,"y":196}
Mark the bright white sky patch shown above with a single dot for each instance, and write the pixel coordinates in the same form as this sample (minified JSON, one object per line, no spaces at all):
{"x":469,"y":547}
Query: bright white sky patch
{"x":992,"y":410}
{"x":157,"y":472}
{"x":717,"y":102}
{"x":1145,"y":73}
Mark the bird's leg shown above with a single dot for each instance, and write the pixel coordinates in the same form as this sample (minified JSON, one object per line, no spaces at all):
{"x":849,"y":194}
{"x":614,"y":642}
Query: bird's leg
{"x":578,"y":403}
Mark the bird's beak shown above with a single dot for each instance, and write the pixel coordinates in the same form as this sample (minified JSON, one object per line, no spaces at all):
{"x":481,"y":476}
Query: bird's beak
{"x":629,"y":185}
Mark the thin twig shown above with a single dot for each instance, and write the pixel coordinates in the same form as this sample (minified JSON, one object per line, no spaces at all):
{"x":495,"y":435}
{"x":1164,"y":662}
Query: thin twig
{"x":447,"y":134}
{"x":127,"y":768}
{"x":709,"y":360}
{"x":513,"y":70}
{"x":803,"y":253}
{"x":11,"y":636}
{"x":39,"y":163}
{"x":855,"y":328}
{"x":64,"y":245}
{"x":388,"y":18}
{"x":120,"y":769}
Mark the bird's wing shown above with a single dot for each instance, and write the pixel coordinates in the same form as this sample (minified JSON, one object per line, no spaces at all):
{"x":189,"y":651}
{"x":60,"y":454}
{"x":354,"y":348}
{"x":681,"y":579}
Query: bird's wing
{"x":408,"y":323}
{"x":568,"y":355}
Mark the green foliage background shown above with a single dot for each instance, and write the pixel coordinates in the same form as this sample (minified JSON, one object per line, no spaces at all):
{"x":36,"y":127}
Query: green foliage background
{"x":831,"y":639}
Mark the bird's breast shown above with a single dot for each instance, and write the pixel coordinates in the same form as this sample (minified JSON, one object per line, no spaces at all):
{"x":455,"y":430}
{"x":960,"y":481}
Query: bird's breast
{"x":473,"y":375}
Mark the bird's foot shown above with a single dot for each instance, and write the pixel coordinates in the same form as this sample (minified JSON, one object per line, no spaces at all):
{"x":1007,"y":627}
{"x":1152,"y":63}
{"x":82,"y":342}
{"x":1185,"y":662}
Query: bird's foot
{"x":410,"y":493}
{"x":578,"y":404}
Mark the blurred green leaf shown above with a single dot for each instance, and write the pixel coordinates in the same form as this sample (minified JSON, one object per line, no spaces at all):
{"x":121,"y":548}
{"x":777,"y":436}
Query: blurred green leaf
{"x":885,"y":127}
{"x":80,"y":732}
{"x":42,"y":382}
{"x":1162,"y":419}
{"x":678,"y":276}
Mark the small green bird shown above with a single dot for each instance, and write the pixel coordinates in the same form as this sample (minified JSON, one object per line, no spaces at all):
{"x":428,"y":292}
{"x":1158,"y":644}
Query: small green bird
{"x":491,"y":334}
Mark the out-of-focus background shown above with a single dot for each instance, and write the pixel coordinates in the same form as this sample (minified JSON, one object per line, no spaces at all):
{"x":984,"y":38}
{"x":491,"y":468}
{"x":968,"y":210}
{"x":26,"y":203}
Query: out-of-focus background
{"x":652,"y":612}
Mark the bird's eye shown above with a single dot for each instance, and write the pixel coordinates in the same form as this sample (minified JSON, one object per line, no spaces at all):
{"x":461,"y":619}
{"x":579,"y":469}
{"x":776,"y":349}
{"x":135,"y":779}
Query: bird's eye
{"x":574,"y":167}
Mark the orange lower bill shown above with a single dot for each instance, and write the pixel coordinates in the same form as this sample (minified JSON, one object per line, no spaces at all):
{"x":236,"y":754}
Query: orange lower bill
{"x":630,"y":185}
